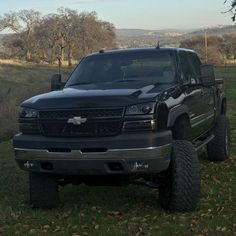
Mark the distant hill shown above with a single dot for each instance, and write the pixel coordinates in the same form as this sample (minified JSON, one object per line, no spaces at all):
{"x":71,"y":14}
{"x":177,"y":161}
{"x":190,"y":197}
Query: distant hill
{"x":220,"y":30}
{"x":143,"y":32}
{"x":145,"y":38}
{"x":171,"y":37}
{"x":128,"y":38}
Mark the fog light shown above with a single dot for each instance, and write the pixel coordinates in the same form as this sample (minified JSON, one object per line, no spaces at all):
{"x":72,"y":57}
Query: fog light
{"x":28,"y":164}
{"x":138,"y":166}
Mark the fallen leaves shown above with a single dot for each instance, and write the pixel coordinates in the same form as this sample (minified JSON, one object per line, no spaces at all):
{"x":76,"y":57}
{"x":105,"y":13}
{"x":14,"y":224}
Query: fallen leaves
{"x":2,"y":231}
{"x":114,"y":213}
{"x":32,"y":231}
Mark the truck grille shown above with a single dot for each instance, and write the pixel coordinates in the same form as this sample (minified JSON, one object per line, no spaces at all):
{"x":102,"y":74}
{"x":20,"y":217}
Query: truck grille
{"x":100,"y":122}
{"x":88,"y":113}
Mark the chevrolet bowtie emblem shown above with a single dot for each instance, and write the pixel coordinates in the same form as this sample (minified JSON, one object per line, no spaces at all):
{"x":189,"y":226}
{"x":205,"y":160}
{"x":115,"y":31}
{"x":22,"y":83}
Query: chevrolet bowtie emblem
{"x":77,"y":120}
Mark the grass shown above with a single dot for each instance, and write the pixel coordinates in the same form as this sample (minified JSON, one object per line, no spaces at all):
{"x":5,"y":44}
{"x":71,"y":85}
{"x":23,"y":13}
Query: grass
{"x":17,"y":83}
{"x":131,"y":210}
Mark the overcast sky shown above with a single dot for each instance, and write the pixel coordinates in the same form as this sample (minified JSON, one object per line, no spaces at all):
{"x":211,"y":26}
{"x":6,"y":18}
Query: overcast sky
{"x":145,"y":14}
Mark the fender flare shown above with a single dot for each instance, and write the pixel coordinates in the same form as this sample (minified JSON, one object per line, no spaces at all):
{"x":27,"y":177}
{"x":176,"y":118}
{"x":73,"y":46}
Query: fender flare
{"x":176,"y":112}
{"x":221,"y":99}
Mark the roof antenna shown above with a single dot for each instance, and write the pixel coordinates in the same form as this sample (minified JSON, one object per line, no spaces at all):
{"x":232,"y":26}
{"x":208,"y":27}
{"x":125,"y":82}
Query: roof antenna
{"x":158,"y":45}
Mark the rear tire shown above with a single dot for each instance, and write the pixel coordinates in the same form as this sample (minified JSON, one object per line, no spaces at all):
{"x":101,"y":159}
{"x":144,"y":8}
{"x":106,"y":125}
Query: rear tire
{"x":181,"y":190}
{"x":43,"y":190}
{"x":219,"y":148}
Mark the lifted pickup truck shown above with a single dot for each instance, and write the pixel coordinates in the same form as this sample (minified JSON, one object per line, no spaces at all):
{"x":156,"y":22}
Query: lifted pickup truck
{"x":125,"y":116}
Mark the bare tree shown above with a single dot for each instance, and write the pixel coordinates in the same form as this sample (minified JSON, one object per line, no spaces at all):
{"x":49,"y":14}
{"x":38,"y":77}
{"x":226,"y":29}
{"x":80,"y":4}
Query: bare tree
{"x":69,"y":31}
{"x":232,"y":9}
{"x":10,"y":21}
{"x":228,"y":46}
{"x":215,"y":53}
{"x":22,"y":23}
{"x":66,"y":35}
{"x":29,"y":19}
{"x":47,"y":38}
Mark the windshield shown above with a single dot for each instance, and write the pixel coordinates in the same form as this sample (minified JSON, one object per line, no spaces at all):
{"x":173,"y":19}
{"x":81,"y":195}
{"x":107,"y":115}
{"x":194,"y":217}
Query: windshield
{"x":154,"y":67}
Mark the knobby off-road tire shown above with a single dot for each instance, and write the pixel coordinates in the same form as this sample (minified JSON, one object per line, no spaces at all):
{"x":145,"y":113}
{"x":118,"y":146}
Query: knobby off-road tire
{"x":180,"y":192}
{"x":219,"y":148}
{"x":43,"y":190}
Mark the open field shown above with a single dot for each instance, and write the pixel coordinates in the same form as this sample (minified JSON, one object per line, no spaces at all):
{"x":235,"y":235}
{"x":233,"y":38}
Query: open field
{"x":131,"y":210}
{"x":17,"y":83}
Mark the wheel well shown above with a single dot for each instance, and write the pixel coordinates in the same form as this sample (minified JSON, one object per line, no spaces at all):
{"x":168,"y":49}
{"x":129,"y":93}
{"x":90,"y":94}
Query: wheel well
{"x":182,"y":128}
{"x":223,"y":107}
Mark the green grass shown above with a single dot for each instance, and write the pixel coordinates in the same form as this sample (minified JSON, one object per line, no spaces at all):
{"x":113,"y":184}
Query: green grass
{"x":131,"y":210}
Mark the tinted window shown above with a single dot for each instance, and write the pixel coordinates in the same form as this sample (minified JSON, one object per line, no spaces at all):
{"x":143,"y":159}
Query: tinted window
{"x":186,"y":68}
{"x":195,"y":64}
{"x":190,"y":66}
{"x":155,"y":67}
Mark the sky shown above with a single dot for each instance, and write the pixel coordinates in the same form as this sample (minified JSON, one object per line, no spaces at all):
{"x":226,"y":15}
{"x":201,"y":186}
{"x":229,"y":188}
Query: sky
{"x":138,"y":14}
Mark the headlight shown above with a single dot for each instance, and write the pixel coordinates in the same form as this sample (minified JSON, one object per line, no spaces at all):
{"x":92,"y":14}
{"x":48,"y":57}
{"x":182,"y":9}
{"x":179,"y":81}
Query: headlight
{"x":141,"y":109}
{"x":28,"y":113}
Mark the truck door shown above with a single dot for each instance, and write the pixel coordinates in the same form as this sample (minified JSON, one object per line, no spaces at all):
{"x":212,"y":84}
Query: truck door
{"x":207,"y":94}
{"x":193,"y":94}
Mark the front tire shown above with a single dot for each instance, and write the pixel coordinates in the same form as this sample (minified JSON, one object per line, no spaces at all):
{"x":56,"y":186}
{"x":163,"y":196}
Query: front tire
{"x":43,"y":190}
{"x":219,"y":148}
{"x":181,"y":190}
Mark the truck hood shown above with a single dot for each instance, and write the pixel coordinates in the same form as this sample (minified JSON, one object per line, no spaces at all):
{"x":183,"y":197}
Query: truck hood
{"x":97,"y":95}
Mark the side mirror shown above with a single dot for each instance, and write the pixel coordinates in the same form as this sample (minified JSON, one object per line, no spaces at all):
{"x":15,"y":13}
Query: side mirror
{"x":207,"y":75}
{"x":56,"y":83}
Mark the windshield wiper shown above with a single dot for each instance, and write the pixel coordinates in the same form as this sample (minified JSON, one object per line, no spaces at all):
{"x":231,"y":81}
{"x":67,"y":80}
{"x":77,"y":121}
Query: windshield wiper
{"x":75,"y":84}
{"x":115,"y":81}
{"x":125,"y":80}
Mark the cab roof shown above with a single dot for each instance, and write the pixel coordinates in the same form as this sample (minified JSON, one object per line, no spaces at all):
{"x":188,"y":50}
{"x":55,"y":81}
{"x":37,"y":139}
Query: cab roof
{"x":138,"y":50}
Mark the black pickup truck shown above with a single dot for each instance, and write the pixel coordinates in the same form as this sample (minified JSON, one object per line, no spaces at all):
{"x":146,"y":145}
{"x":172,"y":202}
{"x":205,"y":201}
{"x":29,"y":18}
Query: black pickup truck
{"x":125,"y":116}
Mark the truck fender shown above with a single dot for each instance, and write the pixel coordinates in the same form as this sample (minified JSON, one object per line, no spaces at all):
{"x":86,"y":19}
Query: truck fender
{"x":176,"y":112}
{"x":221,"y":108}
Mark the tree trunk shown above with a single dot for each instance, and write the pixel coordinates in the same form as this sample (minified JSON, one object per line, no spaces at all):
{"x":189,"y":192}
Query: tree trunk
{"x":28,"y":55}
{"x":69,"y":56}
{"x":52,"y":56}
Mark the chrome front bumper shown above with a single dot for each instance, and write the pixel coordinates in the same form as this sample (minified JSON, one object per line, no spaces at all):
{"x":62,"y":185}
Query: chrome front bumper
{"x":143,"y":153}
{"x":143,"y":160}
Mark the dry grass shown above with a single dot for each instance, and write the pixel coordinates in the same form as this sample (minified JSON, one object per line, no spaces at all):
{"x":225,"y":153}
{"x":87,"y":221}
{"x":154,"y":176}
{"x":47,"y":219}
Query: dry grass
{"x":10,"y":62}
{"x":17,"y":83}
